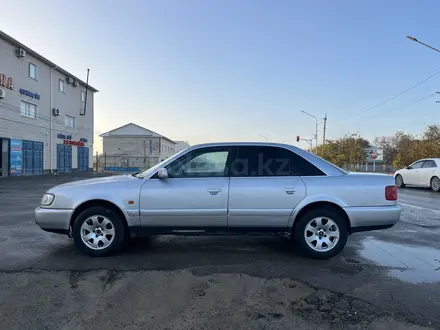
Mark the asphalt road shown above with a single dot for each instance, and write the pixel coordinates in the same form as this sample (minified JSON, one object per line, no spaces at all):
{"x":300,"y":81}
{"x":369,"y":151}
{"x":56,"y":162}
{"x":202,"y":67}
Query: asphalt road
{"x":383,"y":279}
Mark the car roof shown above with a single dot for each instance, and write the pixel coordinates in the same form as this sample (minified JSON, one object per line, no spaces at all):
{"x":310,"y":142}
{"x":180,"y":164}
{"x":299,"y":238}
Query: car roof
{"x":435,"y":159}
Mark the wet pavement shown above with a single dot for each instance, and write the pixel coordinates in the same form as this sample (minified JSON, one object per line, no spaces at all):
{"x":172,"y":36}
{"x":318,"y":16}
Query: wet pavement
{"x":396,"y":271}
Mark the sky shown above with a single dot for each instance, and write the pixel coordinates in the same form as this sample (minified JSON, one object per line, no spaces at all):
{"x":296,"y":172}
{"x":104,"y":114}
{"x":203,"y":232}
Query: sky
{"x":227,"y":70}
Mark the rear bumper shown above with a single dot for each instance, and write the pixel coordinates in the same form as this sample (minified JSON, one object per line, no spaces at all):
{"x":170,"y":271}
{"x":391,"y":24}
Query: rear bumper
{"x":53,"y":220}
{"x":372,"y":218}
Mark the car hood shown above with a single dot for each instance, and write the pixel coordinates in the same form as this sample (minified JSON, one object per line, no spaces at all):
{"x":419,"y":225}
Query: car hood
{"x":88,"y":182}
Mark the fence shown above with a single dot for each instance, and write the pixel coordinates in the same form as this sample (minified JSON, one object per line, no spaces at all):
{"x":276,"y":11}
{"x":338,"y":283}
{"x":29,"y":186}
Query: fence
{"x":380,"y":168}
{"x":123,"y":163}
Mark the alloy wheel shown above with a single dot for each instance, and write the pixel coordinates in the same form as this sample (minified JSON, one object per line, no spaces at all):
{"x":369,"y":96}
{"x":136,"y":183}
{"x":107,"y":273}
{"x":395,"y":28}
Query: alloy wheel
{"x":97,"y":232}
{"x":321,"y":234}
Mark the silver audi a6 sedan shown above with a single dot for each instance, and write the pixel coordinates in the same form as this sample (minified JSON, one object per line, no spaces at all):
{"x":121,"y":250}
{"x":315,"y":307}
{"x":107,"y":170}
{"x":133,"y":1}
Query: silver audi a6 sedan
{"x":224,"y":188}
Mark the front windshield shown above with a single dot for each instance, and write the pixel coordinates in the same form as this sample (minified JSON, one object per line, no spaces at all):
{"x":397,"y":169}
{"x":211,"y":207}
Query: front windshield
{"x":147,"y":172}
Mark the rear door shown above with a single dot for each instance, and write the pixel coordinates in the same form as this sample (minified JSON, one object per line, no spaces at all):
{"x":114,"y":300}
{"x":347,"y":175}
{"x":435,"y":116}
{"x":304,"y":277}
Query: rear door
{"x":427,"y":171}
{"x":265,"y":186}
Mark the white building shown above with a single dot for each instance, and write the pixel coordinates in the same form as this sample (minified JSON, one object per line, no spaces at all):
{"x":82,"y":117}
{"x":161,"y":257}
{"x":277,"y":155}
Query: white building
{"x":180,"y":145}
{"x":44,"y":124}
{"x":134,"y":147}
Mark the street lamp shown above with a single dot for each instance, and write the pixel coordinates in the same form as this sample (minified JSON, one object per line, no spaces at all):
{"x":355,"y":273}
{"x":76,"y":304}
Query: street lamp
{"x":263,"y":136}
{"x":422,"y":43}
{"x":316,"y":133}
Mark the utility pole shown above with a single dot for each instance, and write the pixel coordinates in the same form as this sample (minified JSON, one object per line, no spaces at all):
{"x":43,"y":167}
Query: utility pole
{"x":323,"y":136}
{"x":145,"y":154}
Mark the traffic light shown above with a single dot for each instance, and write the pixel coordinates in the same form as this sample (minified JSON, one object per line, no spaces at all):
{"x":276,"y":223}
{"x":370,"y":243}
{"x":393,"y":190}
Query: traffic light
{"x":297,"y":138}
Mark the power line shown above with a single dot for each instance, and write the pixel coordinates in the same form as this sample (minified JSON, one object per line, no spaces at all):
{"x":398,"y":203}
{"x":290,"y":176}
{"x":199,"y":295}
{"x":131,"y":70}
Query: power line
{"x":391,"y":98}
{"x":386,"y":112}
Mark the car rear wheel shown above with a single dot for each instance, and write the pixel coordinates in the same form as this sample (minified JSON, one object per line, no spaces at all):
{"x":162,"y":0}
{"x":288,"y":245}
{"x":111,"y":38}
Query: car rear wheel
{"x":399,"y":181}
{"x":435,"y":184}
{"x":320,"y":234}
{"x":98,"y":231}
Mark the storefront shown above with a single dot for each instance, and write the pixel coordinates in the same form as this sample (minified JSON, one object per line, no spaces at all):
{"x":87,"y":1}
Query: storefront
{"x":72,"y":154}
{"x":25,"y":157}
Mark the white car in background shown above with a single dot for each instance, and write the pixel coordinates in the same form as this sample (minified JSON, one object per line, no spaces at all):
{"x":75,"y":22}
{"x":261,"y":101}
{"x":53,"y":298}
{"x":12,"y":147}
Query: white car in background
{"x":422,"y":173}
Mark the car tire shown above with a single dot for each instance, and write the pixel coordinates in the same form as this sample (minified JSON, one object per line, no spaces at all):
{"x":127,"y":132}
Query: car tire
{"x":435,"y":184}
{"x":399,"y":181}
{"x":99,"y":232}
{"x":322,"y":217}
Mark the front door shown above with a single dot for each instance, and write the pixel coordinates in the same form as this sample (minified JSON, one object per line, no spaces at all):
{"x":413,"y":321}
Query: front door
{"x":411,"y":176}
{"x":195,"y":195}
{"x":265,"y":186}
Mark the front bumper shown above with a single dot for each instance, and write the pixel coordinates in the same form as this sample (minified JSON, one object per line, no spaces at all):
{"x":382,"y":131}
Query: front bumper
{"x":53,"y":220}
{"x":373,"y":217}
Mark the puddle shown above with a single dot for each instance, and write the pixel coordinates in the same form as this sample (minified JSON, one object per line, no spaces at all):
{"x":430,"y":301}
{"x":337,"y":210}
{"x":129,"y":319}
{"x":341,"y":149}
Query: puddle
{"x":414,"y":264}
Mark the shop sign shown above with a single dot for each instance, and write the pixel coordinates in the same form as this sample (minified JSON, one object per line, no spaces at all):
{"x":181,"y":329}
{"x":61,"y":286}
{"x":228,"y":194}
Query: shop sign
{"x":64,"y":137}
{"x":6,"y":82}
{"x":15,"y":157}
{"x":68,"y":140}
{"x":30,"y":94}
{"x":74,"y":143}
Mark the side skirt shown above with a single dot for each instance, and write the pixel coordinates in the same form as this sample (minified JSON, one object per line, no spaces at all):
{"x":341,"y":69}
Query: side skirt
{"x":210,"y":231}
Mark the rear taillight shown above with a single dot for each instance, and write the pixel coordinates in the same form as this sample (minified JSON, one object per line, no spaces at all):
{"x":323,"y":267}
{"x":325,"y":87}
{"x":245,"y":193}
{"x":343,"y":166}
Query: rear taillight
{"x":391,"y":193}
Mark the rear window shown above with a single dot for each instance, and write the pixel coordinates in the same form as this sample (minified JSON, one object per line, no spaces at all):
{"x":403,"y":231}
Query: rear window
{"x":252,"y":161}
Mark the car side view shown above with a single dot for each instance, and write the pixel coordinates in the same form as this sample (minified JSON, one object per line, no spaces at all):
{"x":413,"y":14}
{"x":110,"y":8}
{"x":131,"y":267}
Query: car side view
{"x":224,"y":189}
{"x":421,"y":173}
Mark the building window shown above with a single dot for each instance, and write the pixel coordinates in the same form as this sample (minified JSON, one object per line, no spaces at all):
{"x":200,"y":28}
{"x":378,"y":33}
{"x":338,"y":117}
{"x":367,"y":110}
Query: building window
{"x":32,"y":71}
{"x":28,"y":109}
{"x":61,"y":85}
{"x":83,"y":96}
{"x":69,"y":121}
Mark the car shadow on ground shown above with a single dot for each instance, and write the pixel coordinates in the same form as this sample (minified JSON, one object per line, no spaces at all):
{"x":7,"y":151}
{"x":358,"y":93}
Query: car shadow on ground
{"x":260,"y":256}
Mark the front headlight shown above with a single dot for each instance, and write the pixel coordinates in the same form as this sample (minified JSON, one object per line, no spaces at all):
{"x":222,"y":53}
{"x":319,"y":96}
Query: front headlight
{"x":47,"y":199}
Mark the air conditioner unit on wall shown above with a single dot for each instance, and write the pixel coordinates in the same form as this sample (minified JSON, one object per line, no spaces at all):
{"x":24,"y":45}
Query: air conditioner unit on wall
{"x":19,"y":52}
{"x":55,"y":112}
{"x":69,"y":80}
{"x":2,"y":94}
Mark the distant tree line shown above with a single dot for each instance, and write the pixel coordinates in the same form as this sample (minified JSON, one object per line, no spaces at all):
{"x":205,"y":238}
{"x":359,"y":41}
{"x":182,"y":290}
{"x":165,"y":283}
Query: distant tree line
{"x":399,"y":149}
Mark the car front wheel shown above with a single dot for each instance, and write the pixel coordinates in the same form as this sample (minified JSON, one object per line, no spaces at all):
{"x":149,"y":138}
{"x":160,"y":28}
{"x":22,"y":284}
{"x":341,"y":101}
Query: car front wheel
{"x":320,"y":234}
{"x":98,"y":231}
{"x":399,"y":181}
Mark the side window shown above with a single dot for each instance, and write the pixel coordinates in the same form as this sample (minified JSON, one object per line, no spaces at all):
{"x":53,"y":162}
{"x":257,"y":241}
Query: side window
{"x":417,"y":164}
{"x":429,"y":164}
{"x":270,"y":161}
{"x":210,"y":162}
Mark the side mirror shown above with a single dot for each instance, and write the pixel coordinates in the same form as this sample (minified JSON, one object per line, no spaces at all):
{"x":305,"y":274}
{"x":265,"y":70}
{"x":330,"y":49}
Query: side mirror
{"x":406,"y":167}
{"x":162,"y":173}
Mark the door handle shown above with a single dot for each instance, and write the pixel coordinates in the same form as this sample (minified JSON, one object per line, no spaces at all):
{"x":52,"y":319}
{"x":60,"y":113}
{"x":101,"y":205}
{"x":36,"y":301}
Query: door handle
{"x":213,"y":191}
{"x":290,"y":191}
